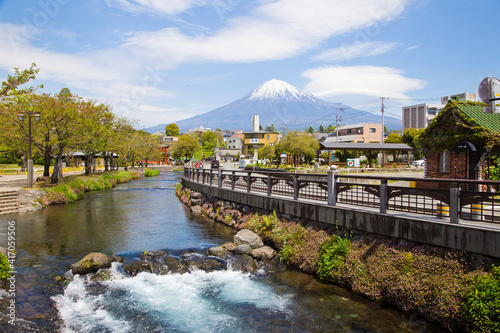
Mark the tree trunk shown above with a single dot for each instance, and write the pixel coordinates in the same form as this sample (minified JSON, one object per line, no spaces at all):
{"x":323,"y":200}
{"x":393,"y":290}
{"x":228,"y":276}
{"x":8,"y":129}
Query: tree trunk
{"x":24,"y":163}
{"x":47,"y":158}
{"x":106,"y":162}
{"x":88,"y":164}
{"x":57,"y":173}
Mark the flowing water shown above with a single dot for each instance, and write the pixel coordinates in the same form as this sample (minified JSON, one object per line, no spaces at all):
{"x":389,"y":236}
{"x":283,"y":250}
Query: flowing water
{"x":146,"y":215}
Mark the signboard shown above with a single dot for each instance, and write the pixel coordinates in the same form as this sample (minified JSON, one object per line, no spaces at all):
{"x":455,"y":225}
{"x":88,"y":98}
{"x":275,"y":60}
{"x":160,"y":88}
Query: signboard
{"x":353,"y":162}
{"x":283,"y":155}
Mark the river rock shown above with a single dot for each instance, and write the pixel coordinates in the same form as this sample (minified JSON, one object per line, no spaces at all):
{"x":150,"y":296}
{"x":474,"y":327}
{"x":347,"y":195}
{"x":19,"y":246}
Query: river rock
{"x":153,"y":255}
{"x":196,"y":202}
{"x":92,"y":262}
{"x":174,"y":265}
{"x":263,"y":253}
{"x":116,"y":258}
{"x":195,"y":195}
{"x":135,"y":266}
{"x":200,"y":262}
{"x":243,"y":263}
{"x":246,"y":236}
{"x":196,"y":210}
{"x":229,"y":246}
{"x":218,"y":251}
{"x":243,"y":249}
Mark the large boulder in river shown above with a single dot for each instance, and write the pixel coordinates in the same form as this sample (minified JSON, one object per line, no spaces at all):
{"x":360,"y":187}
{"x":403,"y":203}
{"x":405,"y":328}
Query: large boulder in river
{"x":135,"y":266}
{"x":195,"y":261}
{"x":92,"y":262}
{"x":218,"y":251}
{"x":243,"y":249}
{"x":263,"y":253}
{"x":246,"y":236}
{"x":242,"y":263}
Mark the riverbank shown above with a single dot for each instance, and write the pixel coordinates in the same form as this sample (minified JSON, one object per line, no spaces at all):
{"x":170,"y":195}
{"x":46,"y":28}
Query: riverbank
{"x":436,"y":283}
{"x":71,"y":188}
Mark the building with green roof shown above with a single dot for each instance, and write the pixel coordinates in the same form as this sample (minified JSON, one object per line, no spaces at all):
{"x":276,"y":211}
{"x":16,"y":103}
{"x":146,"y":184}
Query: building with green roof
{"x":460,"y":141}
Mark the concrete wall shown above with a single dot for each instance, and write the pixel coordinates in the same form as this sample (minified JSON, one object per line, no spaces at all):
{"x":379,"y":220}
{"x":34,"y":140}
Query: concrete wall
{"x":475,"y":240}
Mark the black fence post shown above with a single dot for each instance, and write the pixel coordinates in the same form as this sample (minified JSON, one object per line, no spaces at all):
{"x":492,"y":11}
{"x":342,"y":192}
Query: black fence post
{"x":295,"y":187}
{"x":249,"y":181}
{"x":219,"y":181}
{"x":383,"y":196}
{"x":232,"y":179}
{"x":269,"y":185}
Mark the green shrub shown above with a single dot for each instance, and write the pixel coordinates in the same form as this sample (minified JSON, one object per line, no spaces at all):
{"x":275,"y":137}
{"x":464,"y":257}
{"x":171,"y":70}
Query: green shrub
{"x":332,"y":257}
{"x":482,"y":305}
{"x":151,"y":172}
{"x":4,"y":267}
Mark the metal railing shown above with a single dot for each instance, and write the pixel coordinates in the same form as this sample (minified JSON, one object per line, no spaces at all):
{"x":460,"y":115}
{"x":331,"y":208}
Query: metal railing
{"x":437,"y":197}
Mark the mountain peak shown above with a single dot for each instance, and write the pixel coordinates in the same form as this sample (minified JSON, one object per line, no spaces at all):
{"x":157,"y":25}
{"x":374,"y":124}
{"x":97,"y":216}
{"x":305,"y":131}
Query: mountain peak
{"x":277,"y":89}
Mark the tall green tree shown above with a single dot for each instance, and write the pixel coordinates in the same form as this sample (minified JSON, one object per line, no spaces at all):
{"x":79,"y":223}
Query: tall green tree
{"x":410,"y":137}
{"x":171,"y":130}
{"x":299,"y":145}
{"x":266,"y":152}
{"x":186,"y":146}
{"x":321,"y":129}
{"x":271,"y":128}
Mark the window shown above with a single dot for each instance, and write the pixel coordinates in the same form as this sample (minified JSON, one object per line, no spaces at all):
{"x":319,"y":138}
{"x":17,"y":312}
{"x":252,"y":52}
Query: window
{"x":432,"y":112}
{"x":358,"y":130}
{"x":348,"y":131}
{"x":372,"y":130}
{"x":268,"y":136}
{"x":444,"y":161}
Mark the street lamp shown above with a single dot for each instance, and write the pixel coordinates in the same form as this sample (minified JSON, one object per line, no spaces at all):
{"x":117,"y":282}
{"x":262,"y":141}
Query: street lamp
{"x":21,"y":118}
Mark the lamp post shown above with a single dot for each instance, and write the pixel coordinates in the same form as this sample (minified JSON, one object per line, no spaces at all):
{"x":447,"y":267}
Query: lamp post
{"x":21,"y":118}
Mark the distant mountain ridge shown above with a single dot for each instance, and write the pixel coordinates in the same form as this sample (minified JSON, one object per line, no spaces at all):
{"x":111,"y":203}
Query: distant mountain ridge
{"x":278,"y":102}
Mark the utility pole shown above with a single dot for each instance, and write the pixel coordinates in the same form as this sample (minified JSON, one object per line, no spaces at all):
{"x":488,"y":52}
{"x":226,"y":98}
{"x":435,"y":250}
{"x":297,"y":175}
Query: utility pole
{"x":338,"y":122}
{"x":283,"y":130}
{"x":383,"y":126}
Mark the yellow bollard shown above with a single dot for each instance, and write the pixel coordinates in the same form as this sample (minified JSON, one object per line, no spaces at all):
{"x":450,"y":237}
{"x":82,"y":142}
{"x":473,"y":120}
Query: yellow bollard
{"x":476,"y":211}
{"x":443,"y":210}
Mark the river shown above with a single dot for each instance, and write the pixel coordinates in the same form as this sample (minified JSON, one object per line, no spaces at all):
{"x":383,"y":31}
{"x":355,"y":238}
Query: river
{"x":146,"y":215}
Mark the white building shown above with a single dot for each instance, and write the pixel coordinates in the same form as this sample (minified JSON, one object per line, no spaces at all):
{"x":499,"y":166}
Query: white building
{"x":421,"y":115}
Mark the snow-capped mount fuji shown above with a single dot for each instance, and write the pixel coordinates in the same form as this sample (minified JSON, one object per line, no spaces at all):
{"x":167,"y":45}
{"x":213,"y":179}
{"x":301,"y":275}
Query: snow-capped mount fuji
{"x":277,"y":89}
{"x":278,"y":102}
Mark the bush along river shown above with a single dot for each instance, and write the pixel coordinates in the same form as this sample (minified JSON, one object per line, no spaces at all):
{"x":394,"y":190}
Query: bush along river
{"x":165,"y":270}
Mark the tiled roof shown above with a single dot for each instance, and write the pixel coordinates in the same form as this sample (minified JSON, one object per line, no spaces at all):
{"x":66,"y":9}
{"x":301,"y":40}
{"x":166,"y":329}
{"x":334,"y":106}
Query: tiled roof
{"x":489,"y":120}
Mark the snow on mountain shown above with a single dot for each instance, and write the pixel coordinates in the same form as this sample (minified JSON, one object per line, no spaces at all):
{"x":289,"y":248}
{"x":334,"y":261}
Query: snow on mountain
{"x":277,"y":89}
{"x":279,"y":103}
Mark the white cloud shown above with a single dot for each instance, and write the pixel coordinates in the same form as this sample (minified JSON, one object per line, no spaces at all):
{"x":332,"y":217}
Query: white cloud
{"x":170,"y":7}
{"x":274,"y":30}
{"x":360,"y":80}
{"x":356,"y":50}
{"x":109,"y":72}
{"x":411,"y":48}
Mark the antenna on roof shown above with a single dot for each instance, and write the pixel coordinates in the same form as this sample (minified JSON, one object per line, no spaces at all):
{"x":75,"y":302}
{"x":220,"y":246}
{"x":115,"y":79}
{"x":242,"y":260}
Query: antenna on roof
{"x":489,"y":92}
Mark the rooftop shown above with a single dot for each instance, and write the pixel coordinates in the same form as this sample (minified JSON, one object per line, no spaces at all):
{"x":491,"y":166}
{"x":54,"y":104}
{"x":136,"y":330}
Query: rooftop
{"x":490,"y":121}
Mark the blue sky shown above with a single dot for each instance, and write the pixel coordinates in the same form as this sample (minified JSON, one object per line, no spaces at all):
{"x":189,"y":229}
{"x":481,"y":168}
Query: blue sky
{"x":159,"y":61}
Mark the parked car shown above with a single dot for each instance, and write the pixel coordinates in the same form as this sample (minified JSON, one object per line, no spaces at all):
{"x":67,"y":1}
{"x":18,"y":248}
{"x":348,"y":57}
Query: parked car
{"x":418,"y":163}
{"x":214,"y":164}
